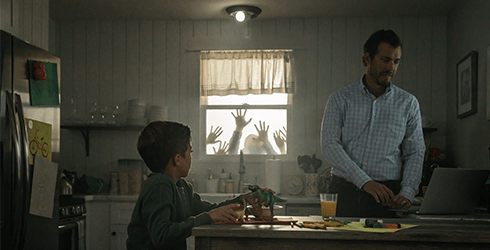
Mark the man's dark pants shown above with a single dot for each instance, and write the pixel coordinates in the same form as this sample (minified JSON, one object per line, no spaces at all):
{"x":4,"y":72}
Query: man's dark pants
{"x":353,"y":202}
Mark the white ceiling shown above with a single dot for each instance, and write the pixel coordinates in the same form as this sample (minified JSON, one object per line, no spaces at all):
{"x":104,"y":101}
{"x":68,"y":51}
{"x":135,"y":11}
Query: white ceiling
{"x":215,"y":9}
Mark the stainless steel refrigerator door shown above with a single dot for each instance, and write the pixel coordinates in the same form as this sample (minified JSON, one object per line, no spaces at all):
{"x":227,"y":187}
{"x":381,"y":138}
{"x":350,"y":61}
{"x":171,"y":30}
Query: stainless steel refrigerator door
{"x":18,"y":181}
{"x":7,"y":145}
{"x":34,"y":232}
{"x":48,"y":114}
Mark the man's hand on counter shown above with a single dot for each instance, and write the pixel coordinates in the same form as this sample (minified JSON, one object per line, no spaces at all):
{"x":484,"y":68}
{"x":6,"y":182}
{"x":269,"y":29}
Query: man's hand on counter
{"x":383,"y":194}
{"x":380,"y":192}
{"x":399,"y":202}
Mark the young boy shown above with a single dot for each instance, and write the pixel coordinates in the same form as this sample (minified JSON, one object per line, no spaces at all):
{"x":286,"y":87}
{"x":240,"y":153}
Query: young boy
{"x":167,"y":208}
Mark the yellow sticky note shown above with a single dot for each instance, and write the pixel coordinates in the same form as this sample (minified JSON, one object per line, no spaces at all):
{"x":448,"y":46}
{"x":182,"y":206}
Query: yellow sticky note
{"x":357,"y":226}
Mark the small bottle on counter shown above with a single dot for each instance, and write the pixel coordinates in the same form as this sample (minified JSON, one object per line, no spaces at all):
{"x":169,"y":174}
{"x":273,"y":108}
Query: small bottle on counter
{"x":222,"y":182}
{"x":230,"y":185}
{"x":211,"y":183}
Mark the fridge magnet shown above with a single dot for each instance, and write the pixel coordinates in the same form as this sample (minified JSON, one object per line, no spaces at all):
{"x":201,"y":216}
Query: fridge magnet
{"x":39,"y":71}
{"x":43,"y":83}
{"x":466,"y":85}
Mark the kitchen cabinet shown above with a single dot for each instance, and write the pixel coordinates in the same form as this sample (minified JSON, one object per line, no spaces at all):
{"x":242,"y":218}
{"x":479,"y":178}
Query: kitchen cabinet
{"x":302,"y":206}
{"x":98,"y":232}
{"x":26,"y":20}
{"x":120,"y":218}
{"x":85,"y":130}
{"x":108,"y":217}
{"x":10,"y":17}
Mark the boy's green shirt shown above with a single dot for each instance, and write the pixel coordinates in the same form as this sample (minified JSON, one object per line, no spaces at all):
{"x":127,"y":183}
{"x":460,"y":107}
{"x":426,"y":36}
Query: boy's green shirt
{"x":165,"y":214}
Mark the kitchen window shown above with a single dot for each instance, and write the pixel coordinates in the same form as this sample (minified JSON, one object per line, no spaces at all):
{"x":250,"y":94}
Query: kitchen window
{"x":246,"y":100}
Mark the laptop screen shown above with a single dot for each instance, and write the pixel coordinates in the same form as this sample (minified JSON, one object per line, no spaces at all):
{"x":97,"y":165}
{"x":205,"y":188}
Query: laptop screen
{"x":454,"y":191}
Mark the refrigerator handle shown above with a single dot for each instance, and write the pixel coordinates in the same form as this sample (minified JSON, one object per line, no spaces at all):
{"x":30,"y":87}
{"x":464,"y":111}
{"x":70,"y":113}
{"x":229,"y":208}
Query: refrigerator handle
{"x":18,"y":190}
{"x":24,"y":164}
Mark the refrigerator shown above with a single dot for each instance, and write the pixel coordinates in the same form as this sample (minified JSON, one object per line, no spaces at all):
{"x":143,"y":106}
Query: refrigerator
{"x":21,"y":230}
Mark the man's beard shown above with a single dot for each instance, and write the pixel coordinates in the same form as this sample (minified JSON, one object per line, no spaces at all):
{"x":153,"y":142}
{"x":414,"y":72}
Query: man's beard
{"x":377,"y":80}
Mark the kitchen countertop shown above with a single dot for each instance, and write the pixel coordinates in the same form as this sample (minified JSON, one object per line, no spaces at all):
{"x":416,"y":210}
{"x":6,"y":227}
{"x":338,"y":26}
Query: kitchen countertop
{"x":429,"y":234}
{"x":212,"y":197}
{"x":101,"y":197}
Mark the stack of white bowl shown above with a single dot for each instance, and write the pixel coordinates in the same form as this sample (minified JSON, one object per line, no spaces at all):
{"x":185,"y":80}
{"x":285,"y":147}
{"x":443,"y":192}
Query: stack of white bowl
{"x":158,"y":113}
{"x":136,"y":112}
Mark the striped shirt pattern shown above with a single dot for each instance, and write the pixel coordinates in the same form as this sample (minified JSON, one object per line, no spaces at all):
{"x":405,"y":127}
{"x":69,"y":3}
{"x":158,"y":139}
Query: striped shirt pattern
{"x":367,"y":138}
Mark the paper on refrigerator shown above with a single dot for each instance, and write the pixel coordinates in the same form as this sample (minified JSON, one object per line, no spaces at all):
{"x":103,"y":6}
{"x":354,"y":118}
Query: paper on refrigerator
{"x":43,"y":187}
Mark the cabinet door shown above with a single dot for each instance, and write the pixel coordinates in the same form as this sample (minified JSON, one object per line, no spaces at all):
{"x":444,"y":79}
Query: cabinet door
{"x":120,"y":218}
{"x":98,"y":225}
{"x":121,"y":212}
{"x":119,"y":235}
{"x":9,"y":16}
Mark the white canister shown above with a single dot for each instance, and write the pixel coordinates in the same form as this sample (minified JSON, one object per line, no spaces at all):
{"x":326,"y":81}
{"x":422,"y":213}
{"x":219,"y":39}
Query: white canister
{"x":212,"y":186}
{"x":124,"y":183}
{"x":130,"y":176}
{"x":222,"y":182}
{"x":273,"y":174}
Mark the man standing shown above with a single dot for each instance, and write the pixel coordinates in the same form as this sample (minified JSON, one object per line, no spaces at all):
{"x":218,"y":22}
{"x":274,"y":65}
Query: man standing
{"x":372,"y":136}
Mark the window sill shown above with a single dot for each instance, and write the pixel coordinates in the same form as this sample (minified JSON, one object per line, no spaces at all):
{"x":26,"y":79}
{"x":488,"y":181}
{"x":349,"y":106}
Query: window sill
{"x":236,"y":158}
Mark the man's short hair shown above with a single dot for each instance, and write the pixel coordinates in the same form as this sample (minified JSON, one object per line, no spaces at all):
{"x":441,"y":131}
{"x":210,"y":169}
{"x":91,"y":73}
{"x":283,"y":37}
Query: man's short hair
{"x":372,"y":44}
{"x":160,"y":141}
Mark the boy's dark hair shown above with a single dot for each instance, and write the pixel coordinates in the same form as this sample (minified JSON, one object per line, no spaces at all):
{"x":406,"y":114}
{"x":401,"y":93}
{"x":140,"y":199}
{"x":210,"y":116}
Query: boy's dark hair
{"x":160,"y":141}
{"x":372,"y":44}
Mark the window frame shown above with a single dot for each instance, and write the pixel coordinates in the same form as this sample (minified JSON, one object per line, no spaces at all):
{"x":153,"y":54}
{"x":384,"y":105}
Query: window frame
{"x":249,"y":158}
{"x":212,"y":158}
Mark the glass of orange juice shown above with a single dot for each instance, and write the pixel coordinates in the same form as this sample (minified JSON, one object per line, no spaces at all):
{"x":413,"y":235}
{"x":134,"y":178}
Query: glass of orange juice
{"x":329,"y":206}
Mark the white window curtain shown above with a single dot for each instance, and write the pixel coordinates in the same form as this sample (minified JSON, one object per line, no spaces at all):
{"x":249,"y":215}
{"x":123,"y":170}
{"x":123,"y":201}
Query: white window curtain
{"x":246,"y":72}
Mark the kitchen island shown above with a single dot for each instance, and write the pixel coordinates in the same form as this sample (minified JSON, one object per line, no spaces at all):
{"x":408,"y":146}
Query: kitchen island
{"x":429,"y":234}
{"x":108,"y":216}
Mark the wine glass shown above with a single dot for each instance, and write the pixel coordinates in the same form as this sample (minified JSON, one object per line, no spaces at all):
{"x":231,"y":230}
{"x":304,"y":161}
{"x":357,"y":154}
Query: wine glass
{"x":92,"y":115}
{"x":114,"y":116}
{"x":104,"y":115}
{"x":74,"y":113}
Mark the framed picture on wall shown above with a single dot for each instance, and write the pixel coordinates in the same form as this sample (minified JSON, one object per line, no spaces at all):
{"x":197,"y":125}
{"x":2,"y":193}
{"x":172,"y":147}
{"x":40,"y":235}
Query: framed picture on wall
{"x":466,"y":88}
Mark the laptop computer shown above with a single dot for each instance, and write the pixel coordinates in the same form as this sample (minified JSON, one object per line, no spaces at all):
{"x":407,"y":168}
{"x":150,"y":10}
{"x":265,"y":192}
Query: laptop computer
{"x":452,"y":191}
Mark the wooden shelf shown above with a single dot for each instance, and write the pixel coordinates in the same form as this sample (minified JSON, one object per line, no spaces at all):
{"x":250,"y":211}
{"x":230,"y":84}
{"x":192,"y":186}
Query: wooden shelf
{"x":85,"y":130}
{"x":429,"y":130}
{"x":102,"y":127}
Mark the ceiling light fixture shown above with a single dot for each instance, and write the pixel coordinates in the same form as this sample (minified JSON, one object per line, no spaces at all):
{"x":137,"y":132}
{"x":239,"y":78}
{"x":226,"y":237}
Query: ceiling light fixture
{"x":242,"y":12}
